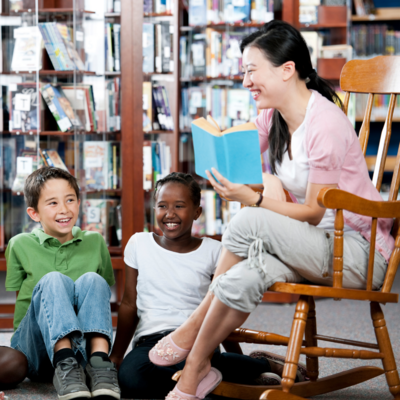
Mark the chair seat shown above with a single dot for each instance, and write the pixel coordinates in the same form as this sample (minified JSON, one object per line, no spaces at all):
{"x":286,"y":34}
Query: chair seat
{"x":339,"y":293}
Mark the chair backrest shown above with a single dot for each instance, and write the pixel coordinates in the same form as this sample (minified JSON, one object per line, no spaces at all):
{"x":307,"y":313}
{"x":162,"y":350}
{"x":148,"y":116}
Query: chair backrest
{"x":379,"y":75}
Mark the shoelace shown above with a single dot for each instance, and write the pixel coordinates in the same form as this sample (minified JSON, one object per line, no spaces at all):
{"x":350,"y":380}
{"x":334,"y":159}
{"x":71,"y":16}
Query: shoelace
{"x":256,"y":249}
{"x":103,"y":375}
{"x":71,"y":372}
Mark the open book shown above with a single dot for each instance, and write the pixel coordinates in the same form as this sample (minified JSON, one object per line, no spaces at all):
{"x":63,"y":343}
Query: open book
{"x":235,"y":152}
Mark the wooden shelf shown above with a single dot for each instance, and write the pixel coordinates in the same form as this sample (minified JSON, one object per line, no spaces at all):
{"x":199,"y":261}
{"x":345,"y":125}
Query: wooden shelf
{"x":115,"y":250}
{"x":330,"y":68}
{"x":222,"y":26}
{"x":382,"y":14}
{"x":47,"y":72}
{"x":45,"y":11}
{"x":389,"y":165}
{"x":165,"y":14}
{"x":210,"y":78}
{"x":378,"y":119}
{"x":156,"y":132}
{"x":112,"y":15}
{"x":112,"y":73}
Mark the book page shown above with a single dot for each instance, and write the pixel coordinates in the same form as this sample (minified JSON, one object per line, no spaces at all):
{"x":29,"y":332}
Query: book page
{"x":207,"y":126}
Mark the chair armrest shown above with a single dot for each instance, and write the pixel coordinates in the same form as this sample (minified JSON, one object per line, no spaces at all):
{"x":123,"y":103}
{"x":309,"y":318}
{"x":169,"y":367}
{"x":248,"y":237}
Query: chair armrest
{"x":339,"y":199}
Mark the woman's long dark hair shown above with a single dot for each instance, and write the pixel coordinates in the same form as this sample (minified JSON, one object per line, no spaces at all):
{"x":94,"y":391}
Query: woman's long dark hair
{"x":280,"y":43}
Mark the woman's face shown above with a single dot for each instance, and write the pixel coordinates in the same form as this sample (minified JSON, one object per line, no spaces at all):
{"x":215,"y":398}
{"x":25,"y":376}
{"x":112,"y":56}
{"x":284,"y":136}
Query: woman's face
{"x":264,"y":81}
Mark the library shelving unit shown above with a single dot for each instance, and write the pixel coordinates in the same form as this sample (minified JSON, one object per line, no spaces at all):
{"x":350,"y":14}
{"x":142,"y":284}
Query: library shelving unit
{"x":33,"y":128}
{"x":385,"y":20}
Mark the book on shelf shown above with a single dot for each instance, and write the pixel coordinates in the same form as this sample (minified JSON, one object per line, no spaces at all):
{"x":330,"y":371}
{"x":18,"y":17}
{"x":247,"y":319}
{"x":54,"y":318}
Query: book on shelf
{"x":51,"y":158}
{"x":24,"y":107}
{"x":9,"y":161}
{"x":148,"y":48}
{"x":102,"y":163}
{"x":228,"y":106}
{"x":60,"y":107}
{"x":27,"y":54}
{"x":117,"y":46}
{"x":234,"y":152}
{"x":113,"y":6}
{"x":67,"y":36}
{"x":100,"y":216}
{"x":379,"y":108}
{"x":27,"y":162}
{"x":80,"y":101}
{"x":157,"y":6}
{"x":216,"y":214}
{"x":374,"y":39}
{"x":147,"y":107}
{"x":56,"y":47}
{"x":162,"y":109}
{"x":156,"y":162}
{"x":314,"y":44}
{"x":203,"y":12}
{"x":337,"y":51}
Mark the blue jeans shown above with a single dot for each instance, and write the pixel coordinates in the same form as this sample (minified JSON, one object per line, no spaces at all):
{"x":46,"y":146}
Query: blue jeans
{"x":62,"y":307}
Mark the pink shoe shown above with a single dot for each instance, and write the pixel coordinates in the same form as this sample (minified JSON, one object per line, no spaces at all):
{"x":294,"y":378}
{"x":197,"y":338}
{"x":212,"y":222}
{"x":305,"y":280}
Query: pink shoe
{"x":166,"y":352}
{"x":206,"y":386}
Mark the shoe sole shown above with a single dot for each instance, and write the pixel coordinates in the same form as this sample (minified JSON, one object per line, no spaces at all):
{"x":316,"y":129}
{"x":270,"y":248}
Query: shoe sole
{"x":105,"y":394}
{"x":76,"y":396}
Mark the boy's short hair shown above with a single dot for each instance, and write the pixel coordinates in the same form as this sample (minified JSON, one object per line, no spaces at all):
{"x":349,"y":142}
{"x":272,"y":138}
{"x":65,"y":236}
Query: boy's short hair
{"x":35,"y":181}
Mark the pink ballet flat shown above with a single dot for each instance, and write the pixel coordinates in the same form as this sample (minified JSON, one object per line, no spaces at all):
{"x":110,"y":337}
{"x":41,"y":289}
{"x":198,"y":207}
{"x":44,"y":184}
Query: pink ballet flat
{"x":206,"y":386}
{"x":166,"y":352}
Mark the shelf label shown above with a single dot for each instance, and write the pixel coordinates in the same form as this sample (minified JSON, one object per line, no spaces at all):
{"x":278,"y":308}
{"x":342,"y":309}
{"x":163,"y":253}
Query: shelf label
{"x":22,"y":102}
{"x":24,"y":165}
{"x":93,"y":215}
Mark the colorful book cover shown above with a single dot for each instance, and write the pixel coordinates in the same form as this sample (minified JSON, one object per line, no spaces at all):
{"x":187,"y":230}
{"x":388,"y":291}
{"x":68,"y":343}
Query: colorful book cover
{"x":54,"y":158}
{"x":97,"y":166}
{"x":148,"y":48}
{"x":77,"y":97}
{"x":65,"y":33}
{"x":27,"y":55}
{"x":95,"y":217}
{"x":197,"y":12}
{"x":237,"y":11}
{"x":235,"y":152}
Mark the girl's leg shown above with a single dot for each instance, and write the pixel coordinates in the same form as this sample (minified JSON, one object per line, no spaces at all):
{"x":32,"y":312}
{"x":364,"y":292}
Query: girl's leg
{"x":186,"y":334}
{"x":219,"y":322}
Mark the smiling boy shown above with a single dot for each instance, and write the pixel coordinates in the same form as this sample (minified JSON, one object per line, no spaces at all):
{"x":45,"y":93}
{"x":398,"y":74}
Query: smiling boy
{"x":62,"y":276}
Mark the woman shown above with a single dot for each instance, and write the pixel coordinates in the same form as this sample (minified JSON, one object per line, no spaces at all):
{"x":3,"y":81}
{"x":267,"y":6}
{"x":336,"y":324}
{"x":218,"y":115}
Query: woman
{"x":312,"y":145}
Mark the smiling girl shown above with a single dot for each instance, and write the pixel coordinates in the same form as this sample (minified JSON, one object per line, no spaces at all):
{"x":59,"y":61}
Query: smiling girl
{"x":312,"y":145}
{"x":167,"y":277}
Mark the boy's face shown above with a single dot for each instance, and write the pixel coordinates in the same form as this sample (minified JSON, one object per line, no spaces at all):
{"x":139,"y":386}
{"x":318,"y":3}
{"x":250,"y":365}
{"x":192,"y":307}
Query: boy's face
{"x":57,"y":210}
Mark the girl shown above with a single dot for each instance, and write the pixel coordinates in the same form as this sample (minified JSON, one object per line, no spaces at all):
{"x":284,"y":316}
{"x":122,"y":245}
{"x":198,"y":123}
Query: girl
{"x":311,"y":145}
{"x":166,"y":279}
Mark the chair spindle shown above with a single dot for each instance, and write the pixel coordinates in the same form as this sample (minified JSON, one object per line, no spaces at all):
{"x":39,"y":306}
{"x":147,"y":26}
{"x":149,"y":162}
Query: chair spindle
{"x":346,"y":102}
{"x":392,"y":267}
{"x":370,"y":275}
{"x":366,"y":125}
{"x":338,"y":251}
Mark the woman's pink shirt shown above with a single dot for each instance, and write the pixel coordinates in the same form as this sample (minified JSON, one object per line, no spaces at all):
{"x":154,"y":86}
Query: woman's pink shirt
{"x":335,"y":157}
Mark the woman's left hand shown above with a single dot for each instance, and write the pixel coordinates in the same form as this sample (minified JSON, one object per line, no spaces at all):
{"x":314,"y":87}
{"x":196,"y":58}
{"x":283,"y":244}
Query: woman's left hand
{"x":232,"y":191}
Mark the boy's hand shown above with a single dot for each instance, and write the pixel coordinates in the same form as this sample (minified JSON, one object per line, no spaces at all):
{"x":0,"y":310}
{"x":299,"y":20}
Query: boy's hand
{"x":116,"y":360}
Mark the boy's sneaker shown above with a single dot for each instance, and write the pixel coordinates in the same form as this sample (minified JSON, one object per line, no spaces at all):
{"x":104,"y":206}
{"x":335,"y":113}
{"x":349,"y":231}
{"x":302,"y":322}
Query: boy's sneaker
{"x":70,"y":381}
{"x":102,"y":378}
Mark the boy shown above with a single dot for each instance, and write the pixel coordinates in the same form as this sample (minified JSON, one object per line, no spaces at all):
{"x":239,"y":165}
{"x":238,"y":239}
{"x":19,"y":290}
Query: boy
{"x":62,"y":277}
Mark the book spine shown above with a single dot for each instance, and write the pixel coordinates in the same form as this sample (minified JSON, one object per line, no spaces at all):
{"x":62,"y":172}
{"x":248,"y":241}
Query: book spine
{"x":117,"y":47}
{"x":61,"y":51}
{"x":49,"y":161}
{"x":49,"y":47}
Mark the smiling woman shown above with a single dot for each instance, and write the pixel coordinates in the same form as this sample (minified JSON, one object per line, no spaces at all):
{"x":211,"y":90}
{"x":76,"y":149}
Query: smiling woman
{"x":311,"y":145}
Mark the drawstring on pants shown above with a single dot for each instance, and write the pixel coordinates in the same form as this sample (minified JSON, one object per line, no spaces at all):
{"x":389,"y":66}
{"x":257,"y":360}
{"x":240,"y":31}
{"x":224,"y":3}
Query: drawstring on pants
{"x":256,"y":251}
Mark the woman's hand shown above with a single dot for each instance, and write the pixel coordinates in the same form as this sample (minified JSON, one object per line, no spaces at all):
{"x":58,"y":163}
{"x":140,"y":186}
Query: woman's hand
{"x":232,"y":191}
{"x":273,"y":188}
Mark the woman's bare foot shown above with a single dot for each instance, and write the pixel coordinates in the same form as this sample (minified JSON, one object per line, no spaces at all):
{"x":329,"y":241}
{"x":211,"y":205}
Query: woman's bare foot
{"x":193,"y":374}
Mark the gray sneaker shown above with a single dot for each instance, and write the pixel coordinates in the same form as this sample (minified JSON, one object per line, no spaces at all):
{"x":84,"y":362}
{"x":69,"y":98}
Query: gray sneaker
{"x":70,"y":381}
{"x":102,"y":378}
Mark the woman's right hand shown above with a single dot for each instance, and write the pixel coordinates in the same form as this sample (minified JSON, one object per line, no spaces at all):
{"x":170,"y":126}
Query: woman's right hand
{"x":273,"y":188}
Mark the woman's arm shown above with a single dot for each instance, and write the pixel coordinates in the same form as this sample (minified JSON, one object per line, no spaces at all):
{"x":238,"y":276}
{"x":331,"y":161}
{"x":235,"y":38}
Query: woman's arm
{"x":127,"y":317}
{"x":309,"y":212}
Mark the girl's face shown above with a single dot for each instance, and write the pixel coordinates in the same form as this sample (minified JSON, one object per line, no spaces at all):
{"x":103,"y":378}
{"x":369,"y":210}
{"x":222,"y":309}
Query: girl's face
{"x":265,"y":82}
{"x":175,"y":211}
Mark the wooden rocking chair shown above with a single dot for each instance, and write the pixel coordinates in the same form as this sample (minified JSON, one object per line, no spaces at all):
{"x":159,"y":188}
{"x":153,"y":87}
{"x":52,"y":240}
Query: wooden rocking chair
{"x":380,"y":75}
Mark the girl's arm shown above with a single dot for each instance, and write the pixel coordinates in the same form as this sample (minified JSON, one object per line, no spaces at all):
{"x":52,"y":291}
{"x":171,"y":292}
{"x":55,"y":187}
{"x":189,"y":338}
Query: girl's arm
{"x":127,"y":317}
{"x":309,"y":212}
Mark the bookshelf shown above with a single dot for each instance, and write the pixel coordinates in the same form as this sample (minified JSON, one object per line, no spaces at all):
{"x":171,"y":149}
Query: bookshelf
{"x":72,"y":143}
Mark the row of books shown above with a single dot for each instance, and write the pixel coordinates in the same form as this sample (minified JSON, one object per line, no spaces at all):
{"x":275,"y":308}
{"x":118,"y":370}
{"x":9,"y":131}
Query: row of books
{"x":157,"y":47}
{"x":229,"y":107}
{"x":203,"y":12}
{"x":216,"y":215}
{"x":156,"y":110}
{"x":102,"y":163}
{"x":157,"y":6}
{"x":91,"y":107}
{"x":213,"y":53}
{"x":374,"y":39}
{"x":103,"y":216}
{"x":112,"y":46}
{"x":364,"y":7}
{"x":156,"y":162}
{"x":113,"y":6}
{"x":380,"y":106}
{"x":58,"y":41}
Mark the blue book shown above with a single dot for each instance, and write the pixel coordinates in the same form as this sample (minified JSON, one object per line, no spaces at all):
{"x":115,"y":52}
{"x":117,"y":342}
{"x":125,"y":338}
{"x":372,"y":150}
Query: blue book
{"x":235,"y":11}
{"x":197,"y":12}
{"x":235,"y":152}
